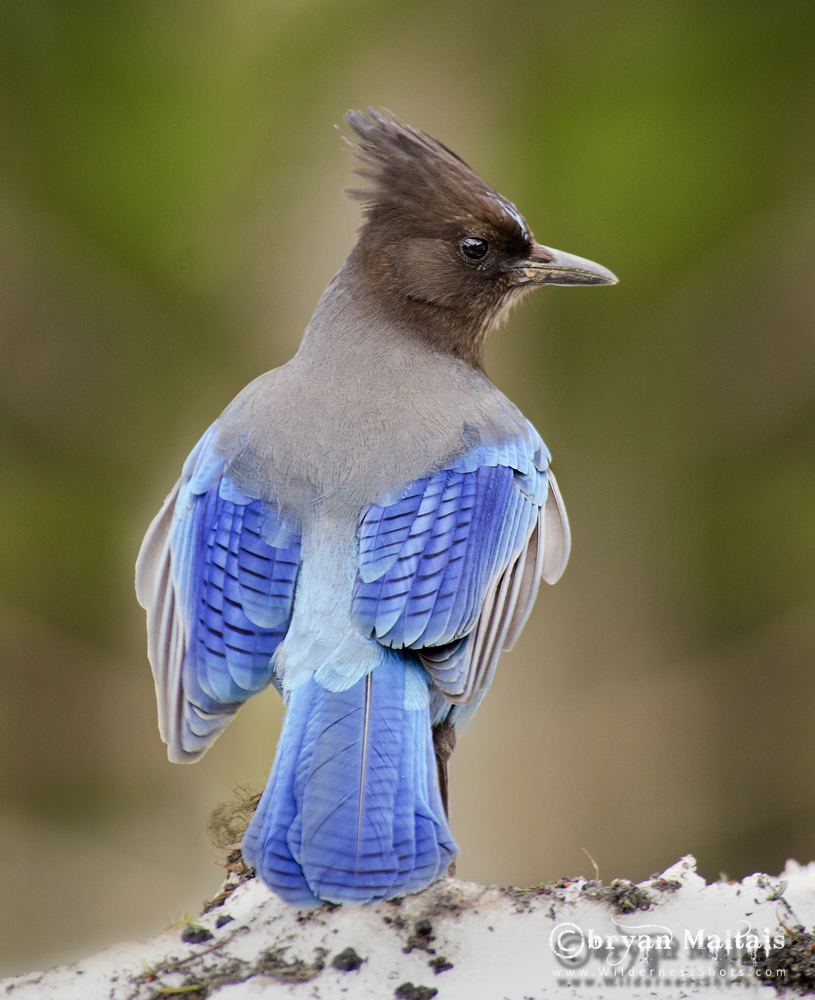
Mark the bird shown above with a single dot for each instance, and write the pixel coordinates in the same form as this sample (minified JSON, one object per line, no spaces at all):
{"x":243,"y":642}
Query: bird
{"x":365,"y":528}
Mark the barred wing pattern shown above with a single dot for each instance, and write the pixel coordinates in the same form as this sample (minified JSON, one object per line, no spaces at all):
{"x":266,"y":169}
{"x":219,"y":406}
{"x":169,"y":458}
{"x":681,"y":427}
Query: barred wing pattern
{"x":217,"y":574}
{"x":450,"y":565}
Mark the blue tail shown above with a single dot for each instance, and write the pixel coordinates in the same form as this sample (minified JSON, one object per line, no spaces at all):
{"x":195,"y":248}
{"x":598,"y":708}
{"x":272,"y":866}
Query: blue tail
{"x":352,"y":811}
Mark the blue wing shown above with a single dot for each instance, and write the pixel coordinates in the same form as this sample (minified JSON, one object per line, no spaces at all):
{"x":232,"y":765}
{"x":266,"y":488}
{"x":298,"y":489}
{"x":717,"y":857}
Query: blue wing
{"x":450,"y":565}
{"x":217,"y":574}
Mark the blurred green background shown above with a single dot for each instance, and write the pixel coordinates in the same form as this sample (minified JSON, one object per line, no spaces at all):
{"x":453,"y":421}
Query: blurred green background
{"x":170,"y":211}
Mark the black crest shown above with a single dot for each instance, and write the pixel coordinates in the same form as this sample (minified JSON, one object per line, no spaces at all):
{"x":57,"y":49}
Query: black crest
{"x":411,"y":174}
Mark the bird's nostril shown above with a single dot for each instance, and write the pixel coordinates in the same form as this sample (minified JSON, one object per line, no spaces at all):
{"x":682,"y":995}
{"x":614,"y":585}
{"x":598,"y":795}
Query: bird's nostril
{"x":542,"y":255}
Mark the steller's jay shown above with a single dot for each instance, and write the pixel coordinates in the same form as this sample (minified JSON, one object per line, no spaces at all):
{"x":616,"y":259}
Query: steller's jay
{"x":365,"y":528}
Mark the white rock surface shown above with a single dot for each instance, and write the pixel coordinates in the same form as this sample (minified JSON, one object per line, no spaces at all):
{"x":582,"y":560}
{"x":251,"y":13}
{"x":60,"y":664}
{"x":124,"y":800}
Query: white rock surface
{"x":657,"y":939}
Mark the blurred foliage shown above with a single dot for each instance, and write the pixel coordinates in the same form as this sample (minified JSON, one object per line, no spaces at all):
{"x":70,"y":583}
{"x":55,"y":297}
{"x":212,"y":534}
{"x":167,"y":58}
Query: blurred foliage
{"x":169,"y":198}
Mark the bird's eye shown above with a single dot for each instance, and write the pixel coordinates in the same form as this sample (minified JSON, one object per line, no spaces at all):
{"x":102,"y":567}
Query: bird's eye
{"x":474,"y":248}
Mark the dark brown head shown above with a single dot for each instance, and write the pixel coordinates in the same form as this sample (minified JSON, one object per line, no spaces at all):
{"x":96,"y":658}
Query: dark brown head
{"x":440,"y":247}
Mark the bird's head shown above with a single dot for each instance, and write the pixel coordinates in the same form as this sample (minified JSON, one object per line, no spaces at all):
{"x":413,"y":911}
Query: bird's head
{"x":439,"y":245}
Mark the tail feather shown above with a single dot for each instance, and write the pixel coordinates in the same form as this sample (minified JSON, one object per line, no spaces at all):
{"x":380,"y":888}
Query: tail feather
{"x":265,"y":844}
{"x":352,"y":812}
{"x":425,"y":862}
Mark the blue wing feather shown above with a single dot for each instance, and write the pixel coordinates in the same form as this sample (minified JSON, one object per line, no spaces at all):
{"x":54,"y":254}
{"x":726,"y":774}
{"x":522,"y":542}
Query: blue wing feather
{"x":236,"y":590}
{"x":428,"y":555}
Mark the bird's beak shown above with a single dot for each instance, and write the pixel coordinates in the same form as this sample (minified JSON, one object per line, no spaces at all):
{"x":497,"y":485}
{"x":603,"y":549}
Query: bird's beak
{"x":553,"y":267}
